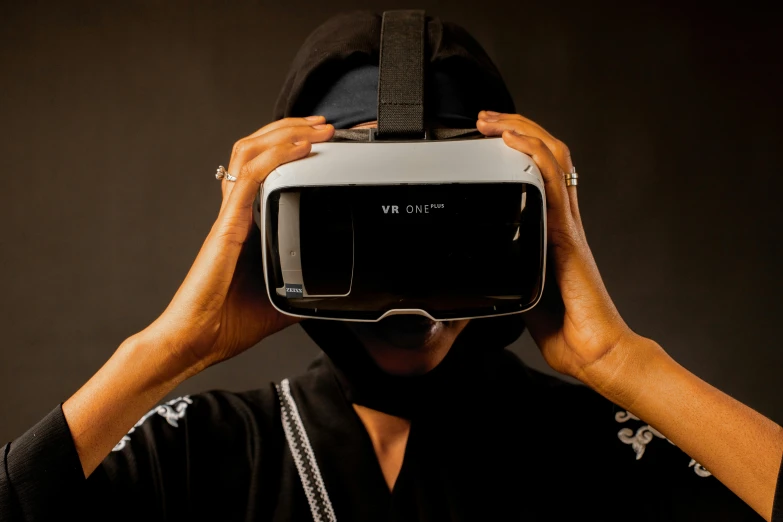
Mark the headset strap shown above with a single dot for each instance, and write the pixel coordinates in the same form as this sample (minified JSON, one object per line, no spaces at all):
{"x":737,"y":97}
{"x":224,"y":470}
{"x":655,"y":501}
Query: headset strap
{"x":304,"y":457}
{"x":401,"y":75}
{"x":433,"y":134}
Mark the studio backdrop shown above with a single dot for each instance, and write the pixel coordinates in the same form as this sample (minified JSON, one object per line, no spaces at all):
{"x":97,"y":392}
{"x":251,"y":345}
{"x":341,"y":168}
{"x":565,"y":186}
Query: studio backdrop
{"x":115,"y":116}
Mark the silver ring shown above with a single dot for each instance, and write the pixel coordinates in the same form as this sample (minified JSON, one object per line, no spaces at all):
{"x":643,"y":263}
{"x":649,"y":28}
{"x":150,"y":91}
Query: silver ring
{"x":572,"y":178}
{"x":223,"y":173}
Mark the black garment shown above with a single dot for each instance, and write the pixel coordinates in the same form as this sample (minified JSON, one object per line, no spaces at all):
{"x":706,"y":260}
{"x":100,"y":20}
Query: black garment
{"x":364,"y":383}
{"x":514,"y":444}
{"x":353,"y":99}
{"x":460,"y":77}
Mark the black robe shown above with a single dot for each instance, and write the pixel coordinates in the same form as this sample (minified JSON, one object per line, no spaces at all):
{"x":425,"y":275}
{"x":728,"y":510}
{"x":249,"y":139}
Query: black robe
{"x":512,"y":444}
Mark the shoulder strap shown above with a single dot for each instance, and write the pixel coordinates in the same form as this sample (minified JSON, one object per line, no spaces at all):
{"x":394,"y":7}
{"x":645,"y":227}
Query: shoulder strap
{"x":304,"y":458}
{"x":401,"y":75}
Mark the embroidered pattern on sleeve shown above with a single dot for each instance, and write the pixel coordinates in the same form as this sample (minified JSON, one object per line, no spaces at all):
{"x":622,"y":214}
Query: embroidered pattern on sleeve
{"x":172,"y":411}
{"x":644,"y":435}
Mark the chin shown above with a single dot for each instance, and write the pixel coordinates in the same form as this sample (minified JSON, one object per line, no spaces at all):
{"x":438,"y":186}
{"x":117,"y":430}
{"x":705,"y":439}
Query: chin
{"x":408,"y":332}
{"x":408,"y":344}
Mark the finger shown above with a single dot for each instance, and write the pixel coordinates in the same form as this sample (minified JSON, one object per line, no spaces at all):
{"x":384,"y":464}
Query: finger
{"x":277,"y":124}
{"x":518,"y":123}
{"x":248,"y":148}
{"x":288,"y":122}
{"x":209,"y":278}
{"x":567,"y":240}
{"x":238,"y":205}
{"x":573,"y":201}
{"x":558,"y":207}
{"x":495,"y":116}
{"x":496,"y":125}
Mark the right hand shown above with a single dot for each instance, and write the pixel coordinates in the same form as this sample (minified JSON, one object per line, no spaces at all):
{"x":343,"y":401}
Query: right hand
{"x":222,"y":307}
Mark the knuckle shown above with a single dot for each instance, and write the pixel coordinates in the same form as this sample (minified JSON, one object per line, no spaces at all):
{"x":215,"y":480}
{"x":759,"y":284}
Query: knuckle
{"x":276,"y":153}
{"x":283,"y":150}
{"x":560,"y":149}
{"x":537,"y":143}
{"x":286,"y":135}
{"x":295,"y":133}
{"x":240,"y":147}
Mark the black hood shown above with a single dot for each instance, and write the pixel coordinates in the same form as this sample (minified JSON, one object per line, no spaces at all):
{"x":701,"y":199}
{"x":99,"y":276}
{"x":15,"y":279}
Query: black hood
{"x":352,"y":40}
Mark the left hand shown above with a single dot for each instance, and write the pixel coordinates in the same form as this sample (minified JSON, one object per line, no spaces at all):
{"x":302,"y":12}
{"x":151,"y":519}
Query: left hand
{"x":581,"y":334}
{"x":575,"y":324}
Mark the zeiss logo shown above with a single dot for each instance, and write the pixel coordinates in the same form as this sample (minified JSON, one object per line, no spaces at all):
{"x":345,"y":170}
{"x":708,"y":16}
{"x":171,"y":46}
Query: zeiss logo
{"x":294,"y":291}
{"x":411,"y":209}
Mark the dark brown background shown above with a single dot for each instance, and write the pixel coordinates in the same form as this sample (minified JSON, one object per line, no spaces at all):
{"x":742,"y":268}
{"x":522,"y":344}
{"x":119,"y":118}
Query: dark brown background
{"x":114,"y":118}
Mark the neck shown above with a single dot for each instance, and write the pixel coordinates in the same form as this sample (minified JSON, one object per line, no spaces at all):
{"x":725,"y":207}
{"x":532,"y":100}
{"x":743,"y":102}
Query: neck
{"x":389,"y":436}
{"x":404,"y":362}
{"x":422,"y":379}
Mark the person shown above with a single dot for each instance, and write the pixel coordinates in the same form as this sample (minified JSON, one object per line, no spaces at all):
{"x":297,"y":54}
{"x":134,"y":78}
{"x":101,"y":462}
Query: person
{"x":404,"y":419}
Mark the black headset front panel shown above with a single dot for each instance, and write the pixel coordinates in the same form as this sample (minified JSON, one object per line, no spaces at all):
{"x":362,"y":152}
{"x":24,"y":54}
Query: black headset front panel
{"x":454,"y":250}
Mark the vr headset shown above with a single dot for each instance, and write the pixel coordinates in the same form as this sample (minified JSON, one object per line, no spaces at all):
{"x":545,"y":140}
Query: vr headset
{"x":404,"y":219}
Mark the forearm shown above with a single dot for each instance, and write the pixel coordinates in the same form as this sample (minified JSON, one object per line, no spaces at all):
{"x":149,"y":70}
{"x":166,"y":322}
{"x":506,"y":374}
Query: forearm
{"x":738,"y":445}
{"x":137,"y":376}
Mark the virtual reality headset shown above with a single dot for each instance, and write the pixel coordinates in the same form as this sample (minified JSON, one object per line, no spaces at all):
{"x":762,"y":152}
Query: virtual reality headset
{"x":404,"y":219}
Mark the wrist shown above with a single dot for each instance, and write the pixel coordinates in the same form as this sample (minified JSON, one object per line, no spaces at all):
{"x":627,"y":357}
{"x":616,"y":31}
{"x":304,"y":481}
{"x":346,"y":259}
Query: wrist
{"x":625,"y":371}
{"x":162,"y":356}
{"x":134,"y":379}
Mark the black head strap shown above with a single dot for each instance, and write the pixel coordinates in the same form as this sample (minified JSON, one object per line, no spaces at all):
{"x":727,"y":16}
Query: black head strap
{"x":401,"y":75}
{"x":433,"y":134}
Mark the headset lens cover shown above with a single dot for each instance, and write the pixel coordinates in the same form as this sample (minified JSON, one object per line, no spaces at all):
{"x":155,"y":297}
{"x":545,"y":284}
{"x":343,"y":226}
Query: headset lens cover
{"x":452,"y":250}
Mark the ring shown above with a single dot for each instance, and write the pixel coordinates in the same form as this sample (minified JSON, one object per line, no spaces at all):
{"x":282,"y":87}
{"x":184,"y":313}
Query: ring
{"x":223,"y":173}
{"x":572,"y":178}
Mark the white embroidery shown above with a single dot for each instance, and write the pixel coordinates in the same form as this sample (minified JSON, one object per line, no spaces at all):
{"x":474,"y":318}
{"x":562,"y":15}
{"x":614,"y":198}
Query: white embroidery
{"x":644,"y":436}
{"x":171,"y":411}
{"x":699,"y":469}
{"x":284,"y":391}
{"x":622,"y":416}
{"x":638,"y":442}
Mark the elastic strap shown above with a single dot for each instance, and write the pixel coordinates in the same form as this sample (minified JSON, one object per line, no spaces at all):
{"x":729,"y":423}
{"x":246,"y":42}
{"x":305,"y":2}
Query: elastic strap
{"x":435,"y":134}
{"x":304,"y":458}
{"x":401,"y":75}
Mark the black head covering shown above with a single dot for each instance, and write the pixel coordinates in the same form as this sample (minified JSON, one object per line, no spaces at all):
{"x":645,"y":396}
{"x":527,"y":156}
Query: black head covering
{"x":457,"y":67}
{"x":335,"y":64}
{"x":353,"y":99}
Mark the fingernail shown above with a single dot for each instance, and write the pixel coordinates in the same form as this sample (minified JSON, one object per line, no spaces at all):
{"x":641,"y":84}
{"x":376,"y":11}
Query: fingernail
{"x":321,"y":126}
{"x":314,"y":118}
{"x":300,"y":142}
{"x":492,"y":113}
{"x":490,"y":119}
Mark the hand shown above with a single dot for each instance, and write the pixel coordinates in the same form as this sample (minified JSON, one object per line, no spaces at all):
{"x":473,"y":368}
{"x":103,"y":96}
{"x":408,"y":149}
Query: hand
{"x":222,"y":307}
{"x":575,"y":324}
